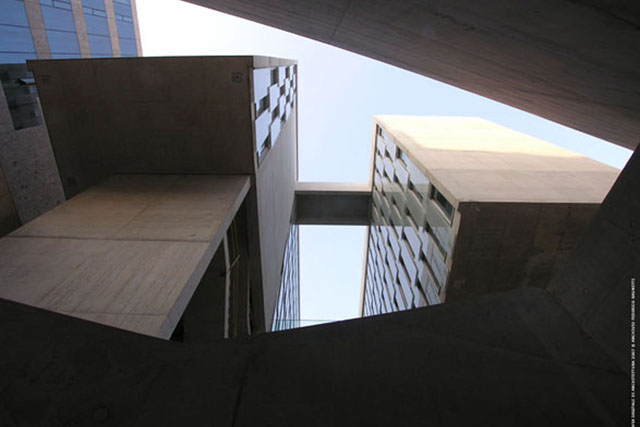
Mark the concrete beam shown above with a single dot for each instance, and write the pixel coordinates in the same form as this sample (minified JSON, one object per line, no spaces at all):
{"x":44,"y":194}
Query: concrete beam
{"x":575,"y":63}
{"x":328,"y":203}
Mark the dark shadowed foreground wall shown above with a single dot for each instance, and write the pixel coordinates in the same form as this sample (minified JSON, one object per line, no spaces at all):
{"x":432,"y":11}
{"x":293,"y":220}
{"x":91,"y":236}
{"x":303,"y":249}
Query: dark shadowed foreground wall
{"x":573,"y":62}
{"x":510,"y":359}
{"x":595,"y":285}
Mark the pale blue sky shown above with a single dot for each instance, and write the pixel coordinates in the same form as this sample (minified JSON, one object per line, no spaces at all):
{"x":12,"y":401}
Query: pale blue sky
{"x":339,"y":92}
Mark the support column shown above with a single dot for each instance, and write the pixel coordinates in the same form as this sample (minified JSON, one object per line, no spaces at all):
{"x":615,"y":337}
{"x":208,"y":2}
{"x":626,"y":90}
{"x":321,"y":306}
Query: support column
{"x":81,"y":28}
{"x":113,"y":29}
{"x":136,"y":26}
{"x":38,"y":33}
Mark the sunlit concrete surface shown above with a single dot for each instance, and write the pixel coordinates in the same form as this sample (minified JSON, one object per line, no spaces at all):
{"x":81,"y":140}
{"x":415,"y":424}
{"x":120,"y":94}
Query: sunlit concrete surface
{"x":472,"y":159}
{"x":128,"y":253}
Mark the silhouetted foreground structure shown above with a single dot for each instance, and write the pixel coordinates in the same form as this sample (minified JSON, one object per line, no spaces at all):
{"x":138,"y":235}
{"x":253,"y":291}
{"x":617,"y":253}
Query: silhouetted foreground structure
{"x":510,"y":359}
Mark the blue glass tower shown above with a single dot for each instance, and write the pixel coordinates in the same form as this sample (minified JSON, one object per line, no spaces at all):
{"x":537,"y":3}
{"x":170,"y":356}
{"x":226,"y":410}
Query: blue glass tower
{"x":67,"y":29}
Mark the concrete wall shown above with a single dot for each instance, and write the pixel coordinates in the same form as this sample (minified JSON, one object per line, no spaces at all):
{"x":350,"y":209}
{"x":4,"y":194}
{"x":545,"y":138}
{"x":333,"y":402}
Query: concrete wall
{"x":501,"y":246}
{"x":568,"y":62}
{"x":512,"y":359}
{"x":595,"y":285}
{"x":30,"y":172}
{"x":146,"y":115}
{"x":30,"y":168}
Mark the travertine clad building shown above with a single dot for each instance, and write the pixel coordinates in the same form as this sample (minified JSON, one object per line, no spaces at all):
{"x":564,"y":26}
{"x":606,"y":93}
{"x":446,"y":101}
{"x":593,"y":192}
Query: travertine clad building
{"x":462,"y":206}
{"x":180,"y":174}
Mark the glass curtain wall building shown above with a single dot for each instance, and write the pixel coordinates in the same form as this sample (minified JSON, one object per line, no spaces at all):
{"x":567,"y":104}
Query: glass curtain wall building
{"x":287,"y":312}
{"x":95,"y":18}
{"x":55,"y":29}
{"x":16,"y":43}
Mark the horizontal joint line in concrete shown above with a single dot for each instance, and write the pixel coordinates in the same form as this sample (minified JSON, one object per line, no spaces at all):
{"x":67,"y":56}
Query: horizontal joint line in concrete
{"x":355,"y":193}
{"x":110,"y":239}
{"x":115,"y":313}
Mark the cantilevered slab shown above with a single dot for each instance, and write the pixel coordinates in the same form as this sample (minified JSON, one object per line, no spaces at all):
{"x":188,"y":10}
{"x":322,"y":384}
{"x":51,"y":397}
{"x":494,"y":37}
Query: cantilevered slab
{"x":127,"y":253}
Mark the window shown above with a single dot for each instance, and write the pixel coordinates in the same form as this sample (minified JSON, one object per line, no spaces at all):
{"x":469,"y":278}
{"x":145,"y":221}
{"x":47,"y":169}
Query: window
{"x":15,"y":36}
{"x":21,"y":95}
{"x":442,"y":202}
{"x":95,"y":18}
{"x":402,"y":156}
{"x":415,"y":191}
{"x":124,"y":24}
{"x":61,"y":29}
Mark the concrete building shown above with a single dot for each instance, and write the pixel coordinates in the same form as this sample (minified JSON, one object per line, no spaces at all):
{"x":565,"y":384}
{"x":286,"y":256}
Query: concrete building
{"x":554,"y":356}
{"x":29,"y":182}
{"x":462,"y":207}
{"x":180,"y":178}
